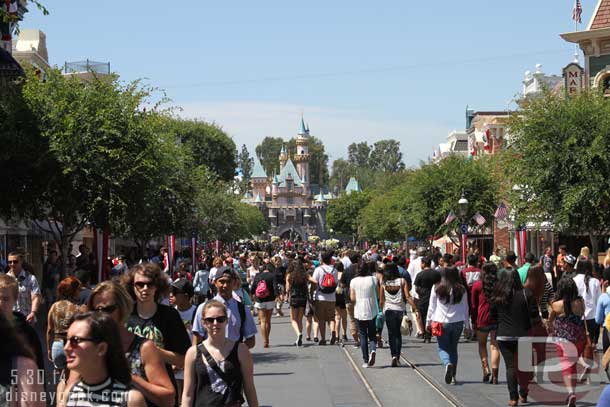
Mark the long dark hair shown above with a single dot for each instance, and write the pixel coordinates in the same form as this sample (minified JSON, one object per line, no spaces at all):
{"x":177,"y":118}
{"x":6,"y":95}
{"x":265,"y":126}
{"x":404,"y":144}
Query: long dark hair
{"x":296,"y":272}
{"x":490,"y":278}
{"x":451,"y":287}
{"x":102,"y":328}
{"x":13,"y":342}
{"x":536,"y":281}
{"x":585,"y":267}
{"x":390,"y":272}
{"x":567,"y":291}
{"x":367,"y":269}
{"x":508,"y":284}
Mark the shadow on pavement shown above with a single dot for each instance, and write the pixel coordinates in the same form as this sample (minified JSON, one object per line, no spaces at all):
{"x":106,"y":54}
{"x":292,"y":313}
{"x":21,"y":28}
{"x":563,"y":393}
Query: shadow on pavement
{"x":275,"y":357}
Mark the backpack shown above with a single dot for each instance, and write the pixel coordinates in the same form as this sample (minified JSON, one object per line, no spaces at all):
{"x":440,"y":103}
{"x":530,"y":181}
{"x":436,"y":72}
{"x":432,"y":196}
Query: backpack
{"x":262,"y":291}
{"x":328,"y":284}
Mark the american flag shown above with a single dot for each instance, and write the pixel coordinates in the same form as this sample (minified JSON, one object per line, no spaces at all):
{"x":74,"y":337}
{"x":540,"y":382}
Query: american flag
{"x":577,"y":12}
{"x":501,"y":212}
{"x":479,"y":219}
{"x":450,"y":218}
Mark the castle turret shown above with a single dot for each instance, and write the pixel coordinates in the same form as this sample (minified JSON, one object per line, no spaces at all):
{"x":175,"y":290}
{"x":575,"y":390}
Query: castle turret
{"x":283,"y":156}
{"x":301,"y":157}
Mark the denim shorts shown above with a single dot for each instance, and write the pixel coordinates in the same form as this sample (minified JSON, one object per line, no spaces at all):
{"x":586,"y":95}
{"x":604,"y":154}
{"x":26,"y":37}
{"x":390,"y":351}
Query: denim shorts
{"x":58,"y":355}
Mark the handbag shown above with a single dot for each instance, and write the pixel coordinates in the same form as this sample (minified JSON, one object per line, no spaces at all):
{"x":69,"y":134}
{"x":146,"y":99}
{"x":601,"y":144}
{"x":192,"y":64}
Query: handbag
{"x":406,"y":327}
{"x":436,"y":328}
{"x":380,"y":318}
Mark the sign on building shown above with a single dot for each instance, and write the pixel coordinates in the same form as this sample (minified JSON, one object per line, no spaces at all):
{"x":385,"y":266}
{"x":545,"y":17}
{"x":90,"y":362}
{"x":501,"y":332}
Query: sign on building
{"x":573,"y":77}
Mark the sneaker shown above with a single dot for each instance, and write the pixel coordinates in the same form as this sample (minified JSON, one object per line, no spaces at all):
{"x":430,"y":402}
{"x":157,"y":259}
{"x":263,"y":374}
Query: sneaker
{"x":333,"y":339}
{"x":344,"y":338}
{"x":448,"y":373}
{"x":394,"y":362}
{"x":356,"y":345}
{"x":300,"y":340}
{"x":365,"y":365}
{"x":571,"y":401}
{"x":322,"y":342}
{"x":315,"y":339}
{"x":372,"y":358}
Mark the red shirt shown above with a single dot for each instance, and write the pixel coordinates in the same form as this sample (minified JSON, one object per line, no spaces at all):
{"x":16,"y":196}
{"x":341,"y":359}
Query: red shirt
{"x":480,"y":306}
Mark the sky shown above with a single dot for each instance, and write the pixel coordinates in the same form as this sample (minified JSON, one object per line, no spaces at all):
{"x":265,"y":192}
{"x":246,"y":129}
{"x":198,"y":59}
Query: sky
{"x":356,"y":70}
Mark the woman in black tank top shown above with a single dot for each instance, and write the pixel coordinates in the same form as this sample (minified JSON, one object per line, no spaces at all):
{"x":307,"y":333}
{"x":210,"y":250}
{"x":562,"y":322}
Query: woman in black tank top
{"x":218,"y":371}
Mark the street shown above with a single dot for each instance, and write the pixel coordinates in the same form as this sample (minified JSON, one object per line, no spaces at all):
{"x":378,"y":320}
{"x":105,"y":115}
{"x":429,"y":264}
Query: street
{"x":326,"y":376}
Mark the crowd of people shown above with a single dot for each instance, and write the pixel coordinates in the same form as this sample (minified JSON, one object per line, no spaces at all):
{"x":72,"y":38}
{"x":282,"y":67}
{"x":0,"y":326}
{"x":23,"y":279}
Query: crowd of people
{"x":162,"y":334}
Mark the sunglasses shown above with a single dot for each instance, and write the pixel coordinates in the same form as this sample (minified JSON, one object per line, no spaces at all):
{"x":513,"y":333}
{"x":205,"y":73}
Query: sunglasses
{"x":75,"y":340}
{"x":109,"y":309}
{"x":141,"y":284}
{"x":221,"y":320}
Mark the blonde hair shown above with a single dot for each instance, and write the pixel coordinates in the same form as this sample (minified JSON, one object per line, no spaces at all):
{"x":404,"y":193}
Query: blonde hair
{"x":607,"y":258}
{"x":121,"y":297}
{"x":213,"y":304}
{"x":585,"y":252}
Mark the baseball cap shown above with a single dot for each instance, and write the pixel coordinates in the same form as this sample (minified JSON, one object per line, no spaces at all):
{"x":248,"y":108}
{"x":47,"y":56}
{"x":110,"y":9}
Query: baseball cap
{"x":568,"y":258}
{"x":184,"y":286}
{"x":224,"y":271}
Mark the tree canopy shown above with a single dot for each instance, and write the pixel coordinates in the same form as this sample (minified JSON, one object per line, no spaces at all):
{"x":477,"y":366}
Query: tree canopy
{"x":560,"y":148}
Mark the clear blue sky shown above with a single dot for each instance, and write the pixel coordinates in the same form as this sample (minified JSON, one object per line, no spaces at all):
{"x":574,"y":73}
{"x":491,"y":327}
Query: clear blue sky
{"x":357,"y":70}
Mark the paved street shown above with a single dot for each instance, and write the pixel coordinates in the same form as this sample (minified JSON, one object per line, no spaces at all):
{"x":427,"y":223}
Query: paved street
{"x":325,"y":376}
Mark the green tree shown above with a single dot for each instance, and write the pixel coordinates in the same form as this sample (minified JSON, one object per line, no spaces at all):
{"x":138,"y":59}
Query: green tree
{"x":561,"y":167}
{"x":246,"y":163}
{"x":358,"y":154}
{"x":381,"y":219}
{"x":343,"y":212}
{"x":433,"y":191}
{"x":90,"y":146}
{"x":268,"y":152}
{"x":386,"y":156}
{"x":341,"y":172}
{"x":209,"y":145}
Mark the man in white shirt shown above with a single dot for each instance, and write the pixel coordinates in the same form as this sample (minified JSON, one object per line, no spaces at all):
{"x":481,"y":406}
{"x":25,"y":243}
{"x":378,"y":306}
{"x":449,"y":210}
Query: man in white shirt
{"x":325,"y":298}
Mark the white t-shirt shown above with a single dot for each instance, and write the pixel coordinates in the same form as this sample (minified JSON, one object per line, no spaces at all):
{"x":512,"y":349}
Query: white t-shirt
{"x":590,"y":297}
{"x":346,"y":262}
{"x":212,"y":274}
{"x":187,"y":319}
{"x":318,"y":274}
{"x":364,"y":290}
{"x":414,"y":269}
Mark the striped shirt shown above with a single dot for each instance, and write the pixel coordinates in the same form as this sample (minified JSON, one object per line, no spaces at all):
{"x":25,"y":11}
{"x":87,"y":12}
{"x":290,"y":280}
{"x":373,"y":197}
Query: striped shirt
{"x":109,"y":393}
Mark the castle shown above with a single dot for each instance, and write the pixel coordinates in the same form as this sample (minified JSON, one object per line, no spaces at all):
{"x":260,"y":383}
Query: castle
{"x":294,"y":208}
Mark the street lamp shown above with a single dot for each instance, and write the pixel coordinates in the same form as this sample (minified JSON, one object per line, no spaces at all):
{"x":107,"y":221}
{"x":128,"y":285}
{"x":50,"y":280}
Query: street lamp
{"x":463,"y":205}
{"x":463,"y":212}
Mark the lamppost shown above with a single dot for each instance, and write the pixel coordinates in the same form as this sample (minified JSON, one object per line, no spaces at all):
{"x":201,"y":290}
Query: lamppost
{"x":463,"y":212}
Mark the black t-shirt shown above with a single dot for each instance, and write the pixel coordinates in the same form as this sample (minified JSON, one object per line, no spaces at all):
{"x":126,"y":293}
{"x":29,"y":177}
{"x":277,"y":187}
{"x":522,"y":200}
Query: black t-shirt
{"x":346,"y":278}
{"x":516,"y":318}
{"x":165,"y":329}
{"x":270,"y":279}
{"x":424,"y":282}
{"x":280,"y":273}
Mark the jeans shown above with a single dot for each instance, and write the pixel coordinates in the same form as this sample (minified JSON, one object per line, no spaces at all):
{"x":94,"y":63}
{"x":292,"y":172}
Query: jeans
{"x":393,"y":319}
{"x":58,"y":355}
{"x":366,"y":329}
{"x":448,"y":342}
{"x":514,"y":377}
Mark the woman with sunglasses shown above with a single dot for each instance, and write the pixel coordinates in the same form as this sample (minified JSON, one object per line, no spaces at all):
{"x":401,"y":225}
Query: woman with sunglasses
{"x":93,"y":351}
{"x":59,"y":318}
{"x":218,"y":371}
{"x":147,"y":369}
